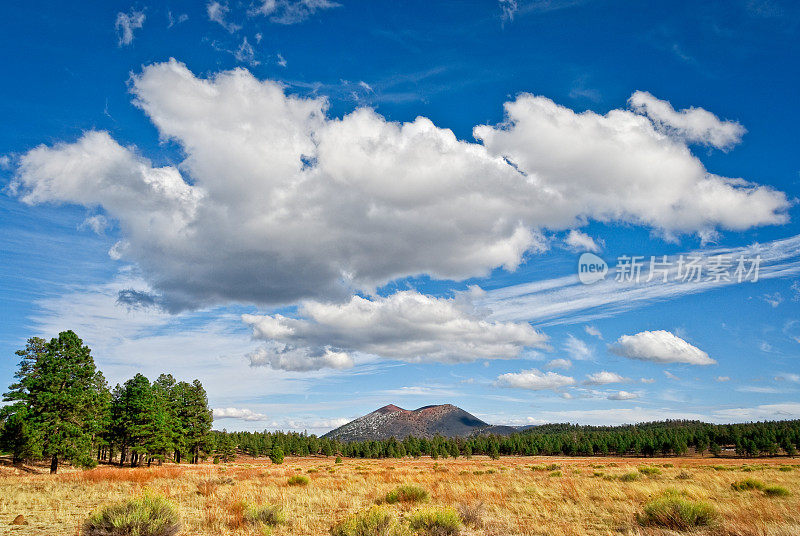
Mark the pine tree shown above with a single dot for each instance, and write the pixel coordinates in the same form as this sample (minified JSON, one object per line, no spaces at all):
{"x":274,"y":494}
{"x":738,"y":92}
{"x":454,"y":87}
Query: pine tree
{"x":57,"y":389}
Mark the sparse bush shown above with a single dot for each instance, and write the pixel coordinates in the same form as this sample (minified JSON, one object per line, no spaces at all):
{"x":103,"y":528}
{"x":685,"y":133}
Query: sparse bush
{"x":149,"y":515}
{"x":748,"y":484}
{"x":777,"y":491}
{"x":407,"y":493}
{"x":435,"y":522}
{"x":555,"y":474}
{"x":377,"y":521}
{"x":471,"y":514}
{"x":683,"y":475}
{"x":538,"y":468}
{"x":266,"y":515}
{"x":553,"y":467}
{"x":650,"y":471}
{"x":628,"y":477}
{"x":672,"y":511}
{"x":312,"y":471}
{"x":298,"y":480}
{"x":784,"y":468}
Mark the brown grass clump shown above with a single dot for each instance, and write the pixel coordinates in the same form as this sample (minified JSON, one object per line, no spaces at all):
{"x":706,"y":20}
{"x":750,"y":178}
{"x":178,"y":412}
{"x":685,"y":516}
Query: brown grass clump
{"x":472,"y":514}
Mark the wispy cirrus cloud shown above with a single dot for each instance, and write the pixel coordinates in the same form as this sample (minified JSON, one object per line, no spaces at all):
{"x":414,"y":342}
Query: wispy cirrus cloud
{"x":564,"y":300}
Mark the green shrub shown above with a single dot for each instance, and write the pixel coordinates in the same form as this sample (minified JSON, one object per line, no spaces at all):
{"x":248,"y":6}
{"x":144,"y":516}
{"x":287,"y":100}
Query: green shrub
{"x":538,"y":468}
{"x":672,"y":511}
{"x":377,"y":521}
{"x":276,"y":456}
{"x":748,"y":484}
{"x":265,"y":515}
{"x":628,"y":477}
{"x":553,"y":467}
{"x":777,"y":491}
{"x":338,"y":459}
{"x":149,"y":515}
{"x":435,"y":522}
{"x":407,"y":493}
{"x":645,"y":470}
{"x":555,"y":474}
{"x":784,"y":468}
{"x":298,"y":480}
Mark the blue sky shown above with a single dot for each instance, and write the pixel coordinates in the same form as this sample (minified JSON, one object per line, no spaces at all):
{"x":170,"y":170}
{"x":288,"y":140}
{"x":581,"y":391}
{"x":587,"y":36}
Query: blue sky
{"x":318,"y":208}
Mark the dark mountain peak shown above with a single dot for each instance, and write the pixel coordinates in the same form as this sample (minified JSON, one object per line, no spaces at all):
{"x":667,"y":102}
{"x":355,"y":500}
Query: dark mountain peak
{"x":389,"y":408}
{"x":393,"y":421}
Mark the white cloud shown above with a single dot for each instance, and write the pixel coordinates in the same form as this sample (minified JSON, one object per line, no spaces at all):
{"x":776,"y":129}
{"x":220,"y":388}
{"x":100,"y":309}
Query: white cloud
{"x":576,"y":348}
{"x":217,"y":13}
{"x":564,"y":300}
{"x":508,"y":8}
{"x":534,"y":380}
{"x":579,"y":241}
{"x":238,"y":413}
{"x":788,"y":377}
{"x":623,"y":395}
{"x":126,"y":23}
{"x":761,"y":389}
{"x":604,"y":378}
{"x":783,"y":411}
{"x":648,"y":380}
{"x":285,"y":357}
{"x":245,"y":53}
{"x":407,"y":325}
{"x":302,"y":206}
{"x":174,"y":21}
{"x":559,"y":364}
{"x":723,"y":378}
{"x":671,"y":376}
{"x":291,"y":11}
{"x":593,"y":331}
{"x":97,"y":223}
{"x":694,"y":125}
{"x":773,"y":300}
{"x":660,"y":347}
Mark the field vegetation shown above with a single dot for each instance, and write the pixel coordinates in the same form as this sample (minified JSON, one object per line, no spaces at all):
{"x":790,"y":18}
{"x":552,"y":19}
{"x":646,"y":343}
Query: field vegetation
{"x":476,"y":496}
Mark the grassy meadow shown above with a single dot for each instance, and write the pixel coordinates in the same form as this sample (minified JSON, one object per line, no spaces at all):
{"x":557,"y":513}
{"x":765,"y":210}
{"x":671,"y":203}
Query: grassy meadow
{"x":478,"y":496}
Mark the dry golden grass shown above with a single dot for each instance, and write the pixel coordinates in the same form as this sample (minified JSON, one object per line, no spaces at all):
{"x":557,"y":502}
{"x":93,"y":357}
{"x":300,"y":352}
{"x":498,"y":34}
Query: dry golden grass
{"x":586,"y":499}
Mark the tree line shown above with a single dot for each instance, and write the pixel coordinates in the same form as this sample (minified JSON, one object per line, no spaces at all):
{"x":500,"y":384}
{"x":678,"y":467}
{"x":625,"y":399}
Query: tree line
{"x":60,"y":408}
{"x":666,"y":438}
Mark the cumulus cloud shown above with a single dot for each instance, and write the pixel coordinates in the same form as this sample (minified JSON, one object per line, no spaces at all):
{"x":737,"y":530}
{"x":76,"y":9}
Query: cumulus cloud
{"x":579,"y":241}
{"x":302,"y":206}
{"x":559,"y":364}
{"x":243,"y":414}
{"x":126,"y":23}
{"x":291,"y":11}
{"x":604,"y":378}
{"x":407,"y":325}
{"x":695,"y":125}
{"x":623,"y":395}
{"x":660,"y":347}
{"x":293,"y":359}
{"x":534,"y":380}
